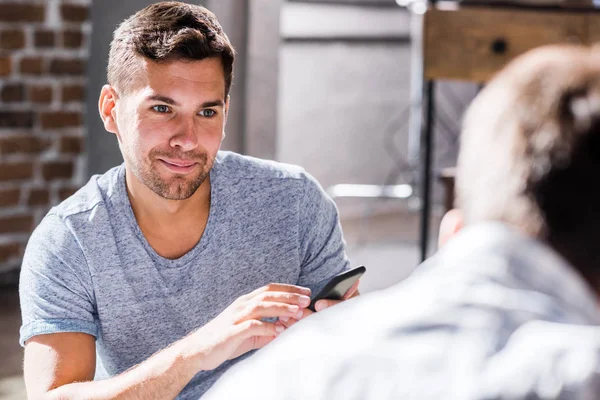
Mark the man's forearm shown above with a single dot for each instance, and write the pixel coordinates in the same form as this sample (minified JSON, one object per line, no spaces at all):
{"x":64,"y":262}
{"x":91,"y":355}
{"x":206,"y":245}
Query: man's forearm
{"x":235,"y":331}
{"x":162,"y":376}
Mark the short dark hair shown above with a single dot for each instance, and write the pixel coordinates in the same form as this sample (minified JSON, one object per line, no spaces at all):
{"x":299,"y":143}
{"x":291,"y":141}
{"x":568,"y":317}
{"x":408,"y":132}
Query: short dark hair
{"x":167,"y":31}
{"x":530,"y":152}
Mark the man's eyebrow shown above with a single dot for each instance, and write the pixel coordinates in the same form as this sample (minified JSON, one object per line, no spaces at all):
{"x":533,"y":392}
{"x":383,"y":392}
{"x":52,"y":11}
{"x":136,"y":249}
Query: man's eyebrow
{"x":171,"y":102}
{"x":214,"y":103}
{"x":162,"y":99}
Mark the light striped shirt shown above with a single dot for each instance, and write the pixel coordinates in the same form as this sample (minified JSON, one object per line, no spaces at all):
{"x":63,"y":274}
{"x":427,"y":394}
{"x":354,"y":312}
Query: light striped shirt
{"x":494,"y":315}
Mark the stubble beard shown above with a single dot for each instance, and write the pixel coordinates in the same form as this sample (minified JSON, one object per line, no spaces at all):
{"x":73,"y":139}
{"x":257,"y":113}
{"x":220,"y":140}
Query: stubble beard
{"x":178,"y":186}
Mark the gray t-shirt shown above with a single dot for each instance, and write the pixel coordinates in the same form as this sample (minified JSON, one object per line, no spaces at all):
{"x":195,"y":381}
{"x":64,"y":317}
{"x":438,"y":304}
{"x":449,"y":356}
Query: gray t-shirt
{"x":88,"y":268}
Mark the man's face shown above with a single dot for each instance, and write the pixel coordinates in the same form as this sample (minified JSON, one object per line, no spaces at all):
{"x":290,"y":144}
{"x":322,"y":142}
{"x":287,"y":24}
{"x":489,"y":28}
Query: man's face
{"x":170,"y":126}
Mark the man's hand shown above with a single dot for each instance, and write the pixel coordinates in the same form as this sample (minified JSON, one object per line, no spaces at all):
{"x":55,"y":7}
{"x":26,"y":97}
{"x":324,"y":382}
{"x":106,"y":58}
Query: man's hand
{"x":319,"y":306}
{"x":240,"y":328}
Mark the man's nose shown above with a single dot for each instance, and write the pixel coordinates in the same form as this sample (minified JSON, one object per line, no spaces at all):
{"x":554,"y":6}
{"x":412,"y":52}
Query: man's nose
{"x":185,"y":138}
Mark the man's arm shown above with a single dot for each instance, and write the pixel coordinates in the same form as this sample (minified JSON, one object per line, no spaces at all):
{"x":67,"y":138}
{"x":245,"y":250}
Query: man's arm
{"x":322,"y":249}
{"x":55,"y":364}
{"x":321,"y":246}
{"x":56,"y":359}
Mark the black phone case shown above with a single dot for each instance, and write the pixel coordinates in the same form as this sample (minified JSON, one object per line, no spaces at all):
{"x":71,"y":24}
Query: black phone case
{"x":337,"y":287}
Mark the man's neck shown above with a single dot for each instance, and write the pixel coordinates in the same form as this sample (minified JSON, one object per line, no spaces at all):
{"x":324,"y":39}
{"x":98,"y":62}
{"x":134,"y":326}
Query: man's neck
{"x":171,"y":227}
{"x":148,"y":205}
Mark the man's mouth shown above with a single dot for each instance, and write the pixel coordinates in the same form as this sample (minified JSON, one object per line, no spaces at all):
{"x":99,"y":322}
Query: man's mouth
{"x":178,"y":166}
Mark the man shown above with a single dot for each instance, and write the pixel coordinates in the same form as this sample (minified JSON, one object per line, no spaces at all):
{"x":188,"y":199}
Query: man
{"x":508,"y":308}
{"x":157,"y":275}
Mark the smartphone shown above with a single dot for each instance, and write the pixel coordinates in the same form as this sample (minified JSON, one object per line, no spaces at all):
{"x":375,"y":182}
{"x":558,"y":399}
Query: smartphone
{"x":337,"y":287}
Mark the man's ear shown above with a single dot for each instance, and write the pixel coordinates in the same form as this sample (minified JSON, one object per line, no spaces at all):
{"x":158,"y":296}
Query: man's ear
{"x":107,"y":108}
{"x":450,"y":225}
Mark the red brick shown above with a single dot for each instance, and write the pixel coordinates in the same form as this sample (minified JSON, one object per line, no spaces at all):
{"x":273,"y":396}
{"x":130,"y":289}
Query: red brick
{"x":9,"y":250}
{"x":40,"y":94}
{"x":57,"y":170}
{"x":16,"y":119}
{"x":64,"y":193}
{"x":38,"y":197}
{"x":67,"y":66}
{"x":9,"y":197}
{"x":32,"y":66}
{"x":16,"y":224}
{"x":12,"y":92}
{"x":71,"y":144}
{"x":60,"y":119}
{"x":72,"y":39}
{"x":23,"y":144}
{"x":74,"y":13}
{"x":22,"y":12}
{"x":73,"y":93}
{"x":44,"y":38}
{"x":13,"y":39}
{"x":16,"y":171}
{"x":5,"y":66}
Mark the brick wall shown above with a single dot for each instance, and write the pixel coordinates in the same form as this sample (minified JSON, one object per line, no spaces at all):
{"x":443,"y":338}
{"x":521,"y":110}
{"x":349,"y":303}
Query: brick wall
{"x":43,"y":53}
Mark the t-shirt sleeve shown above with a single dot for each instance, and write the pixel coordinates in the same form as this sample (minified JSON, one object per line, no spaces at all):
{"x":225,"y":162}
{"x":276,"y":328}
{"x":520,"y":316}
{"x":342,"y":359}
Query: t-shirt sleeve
{"x":55,"y":286}
{"x":322,"y":246}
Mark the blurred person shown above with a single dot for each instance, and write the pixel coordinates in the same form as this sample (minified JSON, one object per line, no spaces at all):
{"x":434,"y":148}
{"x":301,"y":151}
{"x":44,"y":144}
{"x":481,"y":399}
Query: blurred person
{"x":508,"y":307}
{"x":158,"y":275}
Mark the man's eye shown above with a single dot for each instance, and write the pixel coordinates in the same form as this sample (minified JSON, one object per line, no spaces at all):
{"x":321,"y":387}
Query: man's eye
{"x":208,"y":113}
{"x":161,"y":109}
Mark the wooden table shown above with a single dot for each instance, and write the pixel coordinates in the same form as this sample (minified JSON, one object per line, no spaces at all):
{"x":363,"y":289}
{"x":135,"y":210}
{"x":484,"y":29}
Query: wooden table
{"x":472,"y":43}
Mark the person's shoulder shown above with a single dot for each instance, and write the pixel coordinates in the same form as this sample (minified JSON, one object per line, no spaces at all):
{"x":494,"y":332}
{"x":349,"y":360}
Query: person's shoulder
{"x":89,"y":196}
{"x":246,"y":167}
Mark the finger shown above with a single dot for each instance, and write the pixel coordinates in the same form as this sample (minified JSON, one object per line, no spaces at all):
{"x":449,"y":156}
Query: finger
{"x":255,"y":327}
{"x":285,"y":297}
{"x":288,"y":322}
{"x":269,"y":309}
{"x":323,"y":304}
{"x":262,"y":341}
{"x":254,"y":334}
{"x":305,"y":313}
{"x":351,"y":291}
{"x":279,"y":287}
